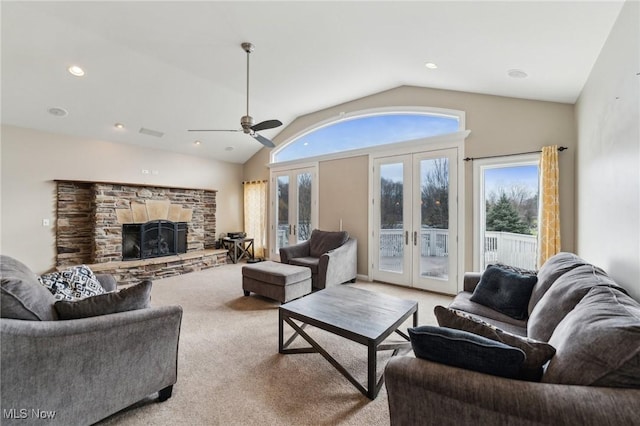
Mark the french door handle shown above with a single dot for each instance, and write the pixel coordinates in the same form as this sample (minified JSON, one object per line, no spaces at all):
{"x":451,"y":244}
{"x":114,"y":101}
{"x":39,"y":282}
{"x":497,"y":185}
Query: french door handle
{"x":415,"y":238}
{"x":289,"y":229}
{"x":406,"y":238}
{"x":294,"y":230}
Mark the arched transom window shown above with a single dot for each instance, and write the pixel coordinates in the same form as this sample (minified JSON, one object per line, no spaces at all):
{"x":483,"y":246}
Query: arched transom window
{"x":366,"y":130}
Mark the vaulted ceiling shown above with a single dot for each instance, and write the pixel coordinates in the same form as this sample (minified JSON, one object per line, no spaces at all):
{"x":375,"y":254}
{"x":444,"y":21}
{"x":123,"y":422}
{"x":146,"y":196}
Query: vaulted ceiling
{"x":173,"y":66}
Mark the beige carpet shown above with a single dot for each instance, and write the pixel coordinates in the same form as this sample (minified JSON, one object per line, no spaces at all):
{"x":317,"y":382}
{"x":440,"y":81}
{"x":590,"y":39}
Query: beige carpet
{"x":230,"y":371}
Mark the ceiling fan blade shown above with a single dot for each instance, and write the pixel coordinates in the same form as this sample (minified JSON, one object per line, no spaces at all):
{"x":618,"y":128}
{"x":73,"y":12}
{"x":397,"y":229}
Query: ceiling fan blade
{"x":214,"y":130}
{"x":269,"y":124}
{"x":264,"y":141}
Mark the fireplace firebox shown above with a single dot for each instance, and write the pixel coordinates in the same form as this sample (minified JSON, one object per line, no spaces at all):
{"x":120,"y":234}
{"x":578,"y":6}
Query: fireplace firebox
{"x":153,"y":239}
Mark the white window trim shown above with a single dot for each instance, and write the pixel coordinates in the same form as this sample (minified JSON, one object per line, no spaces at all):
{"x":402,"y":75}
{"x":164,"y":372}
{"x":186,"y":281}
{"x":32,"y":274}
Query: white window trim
{"x":344,"y":116}
{"x":479,"y":206}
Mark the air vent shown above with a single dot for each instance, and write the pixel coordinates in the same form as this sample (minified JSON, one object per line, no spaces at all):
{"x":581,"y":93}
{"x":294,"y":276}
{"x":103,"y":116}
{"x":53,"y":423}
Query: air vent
{"x":150,"y":132}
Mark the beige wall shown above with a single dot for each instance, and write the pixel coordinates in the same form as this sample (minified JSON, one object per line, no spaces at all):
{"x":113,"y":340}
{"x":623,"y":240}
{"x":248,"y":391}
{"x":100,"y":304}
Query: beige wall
{"x":31,"y":160}
{"x":608,"y":177}
{"x":344,"y":199}
{"x":498,"y":125}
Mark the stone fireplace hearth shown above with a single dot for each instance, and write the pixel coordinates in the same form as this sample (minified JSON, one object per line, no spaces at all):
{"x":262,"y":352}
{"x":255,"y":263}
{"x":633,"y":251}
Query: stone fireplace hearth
{"x":91,"y":217}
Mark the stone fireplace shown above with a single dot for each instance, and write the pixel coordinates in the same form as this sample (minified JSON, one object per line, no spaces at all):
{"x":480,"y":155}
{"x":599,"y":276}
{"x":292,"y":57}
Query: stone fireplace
{"x":113,"y":228}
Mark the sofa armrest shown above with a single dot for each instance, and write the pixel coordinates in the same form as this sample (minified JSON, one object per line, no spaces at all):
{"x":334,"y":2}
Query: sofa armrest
{"x":291,"y":252}
{"x":108,"y":282}
{"x":339,"y":265}
{"x":471,"y":280}
{"x":420,"y":389}
{"x":88,"y":369}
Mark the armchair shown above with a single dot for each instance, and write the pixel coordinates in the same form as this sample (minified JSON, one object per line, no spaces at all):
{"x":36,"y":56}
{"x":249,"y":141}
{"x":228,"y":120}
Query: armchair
{"x":331,"y":256}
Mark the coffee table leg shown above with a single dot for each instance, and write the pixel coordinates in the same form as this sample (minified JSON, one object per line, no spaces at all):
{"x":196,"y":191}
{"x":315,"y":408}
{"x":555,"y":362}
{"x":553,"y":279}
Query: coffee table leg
{"x":371,"y":374}
{"x":280,"y":331}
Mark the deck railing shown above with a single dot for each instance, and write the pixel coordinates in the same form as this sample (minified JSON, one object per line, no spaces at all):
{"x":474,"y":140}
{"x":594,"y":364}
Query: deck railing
{"x":506,"y":247}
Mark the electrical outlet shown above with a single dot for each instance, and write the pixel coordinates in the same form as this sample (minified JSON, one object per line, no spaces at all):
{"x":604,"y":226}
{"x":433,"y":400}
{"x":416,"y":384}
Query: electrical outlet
{"x":45,"y":222}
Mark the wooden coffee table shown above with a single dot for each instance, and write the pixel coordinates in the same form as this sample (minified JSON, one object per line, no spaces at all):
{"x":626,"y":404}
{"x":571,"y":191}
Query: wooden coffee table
{"x":359,"y":315}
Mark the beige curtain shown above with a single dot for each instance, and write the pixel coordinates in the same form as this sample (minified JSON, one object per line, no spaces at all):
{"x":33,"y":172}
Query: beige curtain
{"x":549,"y":239}
{"x":255,"y":215}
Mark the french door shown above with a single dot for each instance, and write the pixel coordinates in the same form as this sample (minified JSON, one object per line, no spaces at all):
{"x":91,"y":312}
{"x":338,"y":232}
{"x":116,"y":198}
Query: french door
{"x":294,"y":207}
{"x":415,"y":220}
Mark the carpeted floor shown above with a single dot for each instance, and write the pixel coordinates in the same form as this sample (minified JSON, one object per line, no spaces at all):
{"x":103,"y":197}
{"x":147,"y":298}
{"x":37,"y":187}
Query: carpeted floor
{"x":230,"y":371}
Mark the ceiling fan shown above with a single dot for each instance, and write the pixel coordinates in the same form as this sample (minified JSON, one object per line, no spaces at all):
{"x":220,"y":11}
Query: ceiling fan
{"x":247,"y":122}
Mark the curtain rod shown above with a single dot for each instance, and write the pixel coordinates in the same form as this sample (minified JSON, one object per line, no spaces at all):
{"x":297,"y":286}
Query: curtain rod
{"x":255,"y":181}
{"x":560,"y":149}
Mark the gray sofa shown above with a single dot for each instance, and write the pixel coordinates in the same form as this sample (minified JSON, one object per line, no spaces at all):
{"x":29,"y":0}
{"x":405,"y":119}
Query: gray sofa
{"x":331,"y":256}
{"x":593,"y":378}
{"x":77,"y":372}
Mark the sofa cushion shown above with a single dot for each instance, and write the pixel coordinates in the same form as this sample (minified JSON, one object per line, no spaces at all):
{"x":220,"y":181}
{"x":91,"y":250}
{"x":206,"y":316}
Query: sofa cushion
{"x":465,"y":350}
{"x":309,"y":262}
{"x":22,"y":296}
{"x":321,"y":242}
{"x":550,"y":271}
{"x":505,"y":291}
{"x":128,"y":299}
{"x":561,"y":298}
{"x":537,"y":353}
{"x":598,"y":343}
{"x":74,"y":283}
{"x":516,"y":269}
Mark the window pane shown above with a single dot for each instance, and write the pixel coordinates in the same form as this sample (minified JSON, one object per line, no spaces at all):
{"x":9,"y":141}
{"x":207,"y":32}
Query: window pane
{"x":434,"y":218}
{"x":304,"y":206}
{"x":391,"y":218}
{"x":511,"y":215}
{"x":282,"y":212}
{"x":366,"y":131}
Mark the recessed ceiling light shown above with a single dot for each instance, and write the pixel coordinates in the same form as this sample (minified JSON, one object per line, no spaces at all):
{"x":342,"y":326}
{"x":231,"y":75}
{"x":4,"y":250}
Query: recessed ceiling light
{"x":76,"y":70}
{"x":197,"y":142}
{"x":58,"y":112}
{"x":119,"y":126}
{"x":229,"y":148}
{"x":431,"y":65}
{"x":514,"y":73}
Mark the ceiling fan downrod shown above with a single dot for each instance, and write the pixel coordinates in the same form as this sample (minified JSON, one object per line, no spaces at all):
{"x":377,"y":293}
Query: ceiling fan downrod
{"x":247,"y":121}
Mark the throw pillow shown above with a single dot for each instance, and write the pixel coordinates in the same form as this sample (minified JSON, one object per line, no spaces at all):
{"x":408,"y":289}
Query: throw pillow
{"x":504,"y":291}
{"x":537,"y":353}
{"x":465,"y":350}
{"x":516,"y":269}
{"x":21,"y":296}
{"x":74,"y":283}
{"x":127,"y":299}
{"x":598,"y":342}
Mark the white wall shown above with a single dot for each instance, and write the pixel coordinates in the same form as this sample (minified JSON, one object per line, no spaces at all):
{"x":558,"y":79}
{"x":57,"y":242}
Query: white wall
{"x":608,"y":160}
{"x":31,"y":160}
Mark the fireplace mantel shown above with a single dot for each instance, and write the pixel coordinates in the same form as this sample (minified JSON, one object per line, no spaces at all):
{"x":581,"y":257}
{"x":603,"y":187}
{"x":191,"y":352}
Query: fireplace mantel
{"x":139,"y":185}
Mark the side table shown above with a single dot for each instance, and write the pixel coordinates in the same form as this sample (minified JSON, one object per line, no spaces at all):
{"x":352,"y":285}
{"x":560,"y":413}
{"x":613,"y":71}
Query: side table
{"x":238,"y":248}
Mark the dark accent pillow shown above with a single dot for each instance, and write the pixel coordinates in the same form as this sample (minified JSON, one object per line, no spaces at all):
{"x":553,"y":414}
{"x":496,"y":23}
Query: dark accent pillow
{"x":504,"y":291}
{"x":128,"y":299}
{"x":537,"y":353}
{"x":466,"y":350}
{"x":516,"y":269}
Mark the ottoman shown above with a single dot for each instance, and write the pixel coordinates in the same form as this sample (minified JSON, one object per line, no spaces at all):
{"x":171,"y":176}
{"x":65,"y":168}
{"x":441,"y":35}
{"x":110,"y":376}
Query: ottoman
{"x":278,"y":281}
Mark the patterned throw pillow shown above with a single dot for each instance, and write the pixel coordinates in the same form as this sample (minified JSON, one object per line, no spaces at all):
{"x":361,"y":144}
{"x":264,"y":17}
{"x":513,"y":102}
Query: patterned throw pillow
{"x":537,"y":353}
{"x":74,"y":283}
